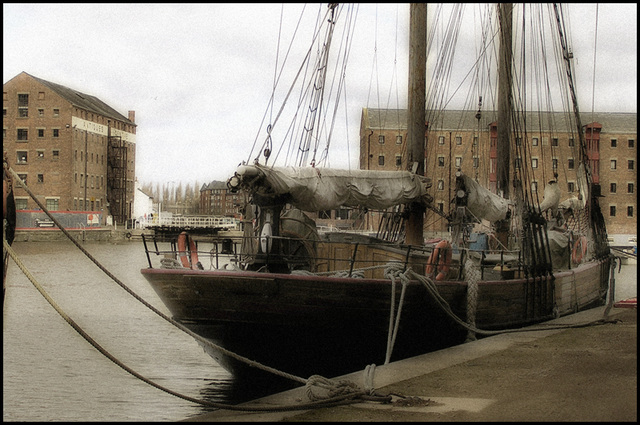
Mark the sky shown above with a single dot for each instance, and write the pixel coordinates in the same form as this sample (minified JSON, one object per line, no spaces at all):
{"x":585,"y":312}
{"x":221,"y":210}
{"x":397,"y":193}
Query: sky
{"x":199,"y":76}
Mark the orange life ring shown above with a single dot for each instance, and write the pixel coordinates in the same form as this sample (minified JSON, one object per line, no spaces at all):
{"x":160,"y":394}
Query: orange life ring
{"x":188,"y":261}
{"x":440,"y":260}
{"x":579,"y":250}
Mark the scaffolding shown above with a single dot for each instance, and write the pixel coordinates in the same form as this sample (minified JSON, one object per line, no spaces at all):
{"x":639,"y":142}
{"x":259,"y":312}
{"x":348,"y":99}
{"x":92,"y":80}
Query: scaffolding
{"x":117,"y":178}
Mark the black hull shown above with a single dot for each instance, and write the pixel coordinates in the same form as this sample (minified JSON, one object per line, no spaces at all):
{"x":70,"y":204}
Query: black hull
{"x":306,"y":325}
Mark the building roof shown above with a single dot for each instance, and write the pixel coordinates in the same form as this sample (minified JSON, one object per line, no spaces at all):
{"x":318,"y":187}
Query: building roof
{"x":394,"y":119}
{"x":214,"y":185}
{"x":83,"y":100}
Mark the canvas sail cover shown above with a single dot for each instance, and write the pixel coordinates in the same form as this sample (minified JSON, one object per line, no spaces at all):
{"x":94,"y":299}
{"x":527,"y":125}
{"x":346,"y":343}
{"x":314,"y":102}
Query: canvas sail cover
{"x":483,"y":203}
{"x":318,"y":189}
{"x":551,"y":197}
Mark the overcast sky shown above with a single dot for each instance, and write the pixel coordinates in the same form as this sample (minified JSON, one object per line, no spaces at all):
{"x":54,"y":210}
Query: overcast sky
{"x":199,"y":76}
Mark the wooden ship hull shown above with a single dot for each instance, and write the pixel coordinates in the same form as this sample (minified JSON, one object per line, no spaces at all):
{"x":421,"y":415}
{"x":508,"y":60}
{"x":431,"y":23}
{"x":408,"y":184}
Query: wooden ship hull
{"x":304,"y":325}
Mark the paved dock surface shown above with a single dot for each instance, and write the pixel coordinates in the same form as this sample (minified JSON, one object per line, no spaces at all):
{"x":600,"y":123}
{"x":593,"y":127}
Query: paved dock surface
{"x":576,"y":374}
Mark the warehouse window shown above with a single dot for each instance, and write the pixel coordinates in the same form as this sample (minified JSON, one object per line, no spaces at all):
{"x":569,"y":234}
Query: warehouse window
{"x":23,"y":135}
{"x":23,"y":178}
{"x":53,"y":204}
{"x":21,"y":203}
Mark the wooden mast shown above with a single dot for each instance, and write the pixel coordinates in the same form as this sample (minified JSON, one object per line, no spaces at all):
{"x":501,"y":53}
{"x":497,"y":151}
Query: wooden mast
{"x":505,"y":113}
{"x":503,"y":150}
{"x":416,"y":128}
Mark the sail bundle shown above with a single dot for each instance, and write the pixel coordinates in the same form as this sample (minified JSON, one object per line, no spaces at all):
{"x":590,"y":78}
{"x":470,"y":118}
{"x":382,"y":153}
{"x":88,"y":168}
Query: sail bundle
{"x":319,"y":189}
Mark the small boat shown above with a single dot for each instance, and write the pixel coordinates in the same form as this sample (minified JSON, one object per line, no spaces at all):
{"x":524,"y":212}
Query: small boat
{"x":309,"y":302}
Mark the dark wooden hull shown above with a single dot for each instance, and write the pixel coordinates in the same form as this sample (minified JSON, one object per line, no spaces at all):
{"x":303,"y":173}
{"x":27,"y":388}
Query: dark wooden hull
{"x":307,"y":325}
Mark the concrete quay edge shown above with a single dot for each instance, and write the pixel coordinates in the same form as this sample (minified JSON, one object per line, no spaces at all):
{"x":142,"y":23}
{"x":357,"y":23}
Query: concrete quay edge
{"x":397,"y":374}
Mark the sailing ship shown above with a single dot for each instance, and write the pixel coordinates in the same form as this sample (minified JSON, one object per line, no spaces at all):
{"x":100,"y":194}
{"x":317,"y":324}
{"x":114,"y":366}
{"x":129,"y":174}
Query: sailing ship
{"x":309,"y":302}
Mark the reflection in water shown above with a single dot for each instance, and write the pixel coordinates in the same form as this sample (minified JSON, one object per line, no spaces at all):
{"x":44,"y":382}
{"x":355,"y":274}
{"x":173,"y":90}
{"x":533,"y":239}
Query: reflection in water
{"x":231,"y":391}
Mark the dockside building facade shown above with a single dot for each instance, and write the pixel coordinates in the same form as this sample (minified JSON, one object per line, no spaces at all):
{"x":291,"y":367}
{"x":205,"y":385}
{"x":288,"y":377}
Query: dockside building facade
{"x":74,"y":152}
{"x":465,"y":139}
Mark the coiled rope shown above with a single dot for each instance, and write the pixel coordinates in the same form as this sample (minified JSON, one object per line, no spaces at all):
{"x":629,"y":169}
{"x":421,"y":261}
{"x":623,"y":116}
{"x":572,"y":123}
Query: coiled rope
{"x":357,"y":394}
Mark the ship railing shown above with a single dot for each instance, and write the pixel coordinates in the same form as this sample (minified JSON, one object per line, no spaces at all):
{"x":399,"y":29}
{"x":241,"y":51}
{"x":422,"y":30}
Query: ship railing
{"x":227,"y":252}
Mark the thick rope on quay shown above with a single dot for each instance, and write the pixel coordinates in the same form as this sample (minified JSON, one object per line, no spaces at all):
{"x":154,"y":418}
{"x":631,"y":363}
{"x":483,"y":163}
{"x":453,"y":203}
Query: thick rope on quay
{"x":358,"y":395}
{"x":339,"y":392}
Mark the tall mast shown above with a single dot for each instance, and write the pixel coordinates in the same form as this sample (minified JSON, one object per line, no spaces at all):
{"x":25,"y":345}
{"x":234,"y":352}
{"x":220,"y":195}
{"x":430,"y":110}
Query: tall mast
{"x":416,"y":129}
{"x":503,"y":151}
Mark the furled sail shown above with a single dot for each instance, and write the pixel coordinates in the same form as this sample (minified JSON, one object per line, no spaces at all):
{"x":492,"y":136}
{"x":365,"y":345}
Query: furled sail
{"x":483,"y":203}
{"x":551,"y":197}
{"x":318,"y":189}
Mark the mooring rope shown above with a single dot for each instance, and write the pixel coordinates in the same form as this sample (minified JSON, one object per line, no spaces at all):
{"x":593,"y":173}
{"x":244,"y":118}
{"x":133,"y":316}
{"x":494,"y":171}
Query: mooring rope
{"x":339,"y":387}
{"x":358,"y":394}
{"x":339,"y":392}
{"x":432,"y":290}
{"x":393,"y":271}
{"x":472,"y":274}
{"x":149,"y":306}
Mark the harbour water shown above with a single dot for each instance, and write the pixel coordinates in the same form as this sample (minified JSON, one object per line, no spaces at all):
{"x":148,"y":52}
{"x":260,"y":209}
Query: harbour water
{"x":50,"y":373}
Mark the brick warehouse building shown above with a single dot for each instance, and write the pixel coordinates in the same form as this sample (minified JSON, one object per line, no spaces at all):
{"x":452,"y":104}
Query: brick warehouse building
{"x":459,"y":138}
{"x":74,"y":152}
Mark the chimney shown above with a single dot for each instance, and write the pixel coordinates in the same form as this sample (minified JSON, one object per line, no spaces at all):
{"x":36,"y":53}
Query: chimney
{"x":132,"y":116}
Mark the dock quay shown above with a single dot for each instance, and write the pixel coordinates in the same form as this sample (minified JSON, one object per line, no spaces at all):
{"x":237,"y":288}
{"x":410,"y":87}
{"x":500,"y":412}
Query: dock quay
{"x":582,"y":373}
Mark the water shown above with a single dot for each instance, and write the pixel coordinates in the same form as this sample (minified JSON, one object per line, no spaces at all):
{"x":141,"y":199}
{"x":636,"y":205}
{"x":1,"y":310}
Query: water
{"x":50,"y":373}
